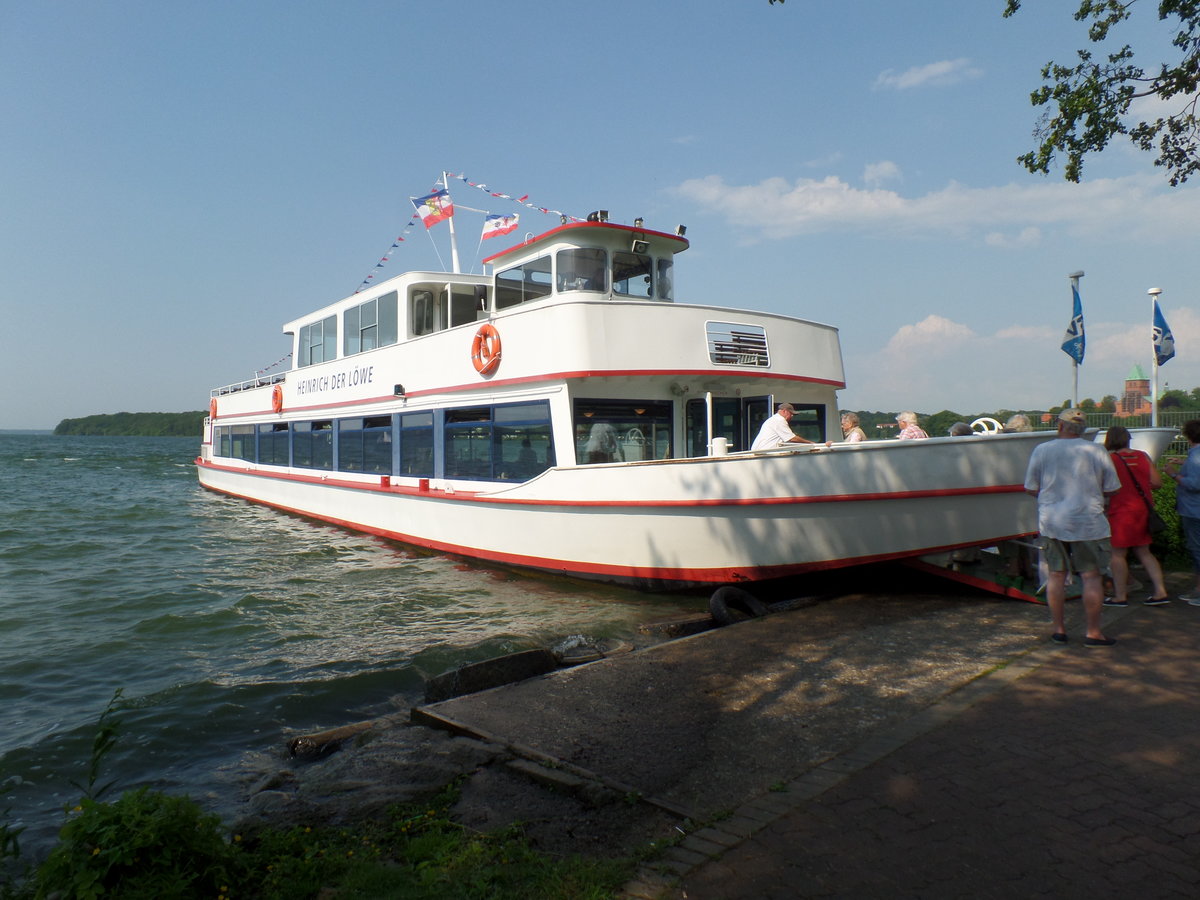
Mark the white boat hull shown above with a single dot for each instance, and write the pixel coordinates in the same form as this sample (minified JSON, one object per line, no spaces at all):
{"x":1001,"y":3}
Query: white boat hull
{"x":675,"y":523}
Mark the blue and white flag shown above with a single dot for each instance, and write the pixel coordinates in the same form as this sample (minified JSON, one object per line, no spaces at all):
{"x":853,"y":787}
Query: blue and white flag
{"x":1073,"y":341}
{"x":1164,"y":341}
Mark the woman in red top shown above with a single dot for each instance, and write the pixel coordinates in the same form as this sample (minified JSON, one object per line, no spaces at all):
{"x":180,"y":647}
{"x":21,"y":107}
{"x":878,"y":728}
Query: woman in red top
{"x":1127,"y":516}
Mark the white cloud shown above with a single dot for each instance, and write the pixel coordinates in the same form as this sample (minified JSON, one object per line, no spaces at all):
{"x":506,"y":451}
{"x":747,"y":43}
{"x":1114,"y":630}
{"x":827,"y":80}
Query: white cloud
{"x":877,"y":173}
{"x":1137,"y":206}
{"x":1017,"y":366}
{"x":936,"y":74}
{"x":1026,"y":237}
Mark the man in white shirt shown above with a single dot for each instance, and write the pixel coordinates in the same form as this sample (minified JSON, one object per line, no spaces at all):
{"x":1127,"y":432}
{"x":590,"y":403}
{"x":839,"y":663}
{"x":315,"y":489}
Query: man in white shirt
{"x":1071,"y":479}
{"x":776,"y":431}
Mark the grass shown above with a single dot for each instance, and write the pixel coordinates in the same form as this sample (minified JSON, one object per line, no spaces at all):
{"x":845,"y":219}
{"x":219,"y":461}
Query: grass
{"x":147,"y":845}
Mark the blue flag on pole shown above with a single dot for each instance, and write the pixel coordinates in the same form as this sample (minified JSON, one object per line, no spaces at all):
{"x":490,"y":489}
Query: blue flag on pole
{"x":1164,"y":341}
{"x":1073,"y":340}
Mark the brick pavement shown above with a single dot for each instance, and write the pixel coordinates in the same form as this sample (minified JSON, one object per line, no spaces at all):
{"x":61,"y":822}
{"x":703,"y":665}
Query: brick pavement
{"x":1070,"y":773}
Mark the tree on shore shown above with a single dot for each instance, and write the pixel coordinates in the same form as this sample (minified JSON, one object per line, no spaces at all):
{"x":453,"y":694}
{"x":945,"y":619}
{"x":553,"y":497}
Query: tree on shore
{"x":151,"y":424}
{"x":1088,"y":103}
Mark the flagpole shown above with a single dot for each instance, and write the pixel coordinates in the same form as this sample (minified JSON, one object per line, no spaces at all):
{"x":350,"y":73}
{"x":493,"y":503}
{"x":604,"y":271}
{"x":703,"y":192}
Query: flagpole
{"x":1153,"y":292}
{"x":453,"y":238}
{"x":1075,"y":276}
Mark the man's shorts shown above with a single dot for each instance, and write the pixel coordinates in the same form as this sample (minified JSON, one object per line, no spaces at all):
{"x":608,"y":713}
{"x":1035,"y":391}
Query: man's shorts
{"x":1076,"y":556}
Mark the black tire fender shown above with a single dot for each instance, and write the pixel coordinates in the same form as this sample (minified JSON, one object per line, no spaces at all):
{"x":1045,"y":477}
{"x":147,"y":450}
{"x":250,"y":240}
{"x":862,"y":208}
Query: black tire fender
{"x":727,"y":602}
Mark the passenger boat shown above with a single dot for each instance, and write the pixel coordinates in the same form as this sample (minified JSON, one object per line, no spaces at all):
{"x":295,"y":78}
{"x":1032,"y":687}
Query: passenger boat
{"x":567,"y":413}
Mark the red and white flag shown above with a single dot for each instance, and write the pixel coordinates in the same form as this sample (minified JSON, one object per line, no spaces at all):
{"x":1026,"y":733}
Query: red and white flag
{"x":434,"y":207}
{"x":494,"y":226}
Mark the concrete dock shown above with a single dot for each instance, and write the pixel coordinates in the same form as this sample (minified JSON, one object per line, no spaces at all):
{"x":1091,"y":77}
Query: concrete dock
{"x":929,"y":745}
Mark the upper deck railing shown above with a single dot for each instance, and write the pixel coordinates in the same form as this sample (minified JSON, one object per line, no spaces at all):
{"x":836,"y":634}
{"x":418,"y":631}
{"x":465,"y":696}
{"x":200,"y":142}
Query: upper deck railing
{"x":256,"y":381}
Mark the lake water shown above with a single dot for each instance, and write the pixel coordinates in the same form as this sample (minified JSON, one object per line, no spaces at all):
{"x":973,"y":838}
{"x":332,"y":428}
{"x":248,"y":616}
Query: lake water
{"x":229,"y":627}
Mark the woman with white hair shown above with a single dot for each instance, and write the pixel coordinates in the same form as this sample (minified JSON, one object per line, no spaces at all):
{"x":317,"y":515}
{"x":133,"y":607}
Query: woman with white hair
{"x":852,"y":433}
{"x":909,"y":429}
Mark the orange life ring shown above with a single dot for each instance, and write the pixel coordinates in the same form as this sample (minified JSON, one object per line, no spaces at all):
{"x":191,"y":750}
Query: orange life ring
{"x":277,"y":398}
{"x":485,"y":349}
{"x":212,"y":408}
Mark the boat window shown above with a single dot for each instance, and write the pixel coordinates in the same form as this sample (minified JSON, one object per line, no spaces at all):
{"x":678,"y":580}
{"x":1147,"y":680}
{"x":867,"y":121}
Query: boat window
{"x":312,"y":444}
{"x":523,"y":283}
{"x":502,"y":443}
{"x":465,"y":304}
{"x":631,"y":274}
{"x":665,"y":288}
{"x":317,"y":342}
{"x":622,"y":430}
{"x":727,"y":423}
{"x":428,"y":311}
{"x":416,"y":444}
{"x":732,"y":344}
{"x":239,"y":442}
{"x":369,"y":325}
{"x":808,"y":421}
{"x":365,"y":445}
{"x":581,"y":270}
{"x":273,"y":444}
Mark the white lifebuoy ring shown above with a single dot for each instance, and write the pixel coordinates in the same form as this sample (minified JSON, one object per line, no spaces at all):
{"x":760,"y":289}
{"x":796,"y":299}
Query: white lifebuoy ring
{"x":986,"y":425}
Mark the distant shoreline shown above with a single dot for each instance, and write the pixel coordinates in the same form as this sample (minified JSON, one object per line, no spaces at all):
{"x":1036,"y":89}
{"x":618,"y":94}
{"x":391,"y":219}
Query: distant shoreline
{"x":141,"y":424}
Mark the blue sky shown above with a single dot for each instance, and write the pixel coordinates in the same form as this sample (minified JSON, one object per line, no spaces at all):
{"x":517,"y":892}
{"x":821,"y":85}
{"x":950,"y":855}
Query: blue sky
{"x":179,"y":180}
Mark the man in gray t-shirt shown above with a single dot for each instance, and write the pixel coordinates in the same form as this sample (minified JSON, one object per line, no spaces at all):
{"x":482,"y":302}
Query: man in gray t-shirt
{"x":1071,"y":479}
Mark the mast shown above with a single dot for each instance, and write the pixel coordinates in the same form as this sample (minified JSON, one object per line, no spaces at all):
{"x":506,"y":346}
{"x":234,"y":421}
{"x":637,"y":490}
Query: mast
{"x":454,"y":266}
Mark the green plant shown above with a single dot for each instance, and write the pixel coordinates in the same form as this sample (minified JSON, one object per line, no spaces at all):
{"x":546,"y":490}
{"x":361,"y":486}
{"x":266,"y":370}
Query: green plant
{"x":145,"y":844}
{"x":103,"y":741}
{"x":10,"y":852}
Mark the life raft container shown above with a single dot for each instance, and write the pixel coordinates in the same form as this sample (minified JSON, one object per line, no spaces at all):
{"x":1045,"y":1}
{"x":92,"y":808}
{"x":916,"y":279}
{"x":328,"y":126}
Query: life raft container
{"x":485,"y":349}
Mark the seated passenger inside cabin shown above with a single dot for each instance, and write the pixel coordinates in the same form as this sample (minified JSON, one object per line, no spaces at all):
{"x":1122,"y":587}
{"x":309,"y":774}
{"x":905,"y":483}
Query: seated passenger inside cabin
{"x":776,"y":431}
{"x":602,"y":446}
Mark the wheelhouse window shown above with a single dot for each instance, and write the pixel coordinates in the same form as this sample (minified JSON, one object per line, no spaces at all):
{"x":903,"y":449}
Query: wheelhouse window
{"x":632,"y":274}
{"x":622,"y":430}
{"x":523,"y":283}
{"x":369,"y":325}
{"x":365,"y":445}
{"x":665,"y":286}
{"x":498,"y":443}
{"x":581,"y":270}
{"x":416,"y":444}
{"x":317,"y":342}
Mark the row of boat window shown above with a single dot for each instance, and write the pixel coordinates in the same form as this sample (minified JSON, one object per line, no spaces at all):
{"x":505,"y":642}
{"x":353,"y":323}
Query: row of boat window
{"x":376,"y":322}
{"x":503,"y":442}
{"x":511,"y":442}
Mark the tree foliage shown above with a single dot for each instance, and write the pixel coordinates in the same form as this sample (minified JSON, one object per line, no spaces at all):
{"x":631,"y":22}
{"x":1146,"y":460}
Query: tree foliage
{"x":1087,"y":104}
{"x":148,"y":424}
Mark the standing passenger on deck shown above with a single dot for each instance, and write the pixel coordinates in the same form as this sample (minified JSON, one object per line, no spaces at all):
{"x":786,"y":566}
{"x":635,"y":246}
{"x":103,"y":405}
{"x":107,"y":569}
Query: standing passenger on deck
{"x":776,"y":431}
{"x":1071,"y":479}
{"x":909,"y":429}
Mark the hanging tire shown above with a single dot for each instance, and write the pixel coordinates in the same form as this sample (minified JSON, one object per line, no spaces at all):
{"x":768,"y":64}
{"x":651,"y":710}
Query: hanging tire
{"x":729,"y":604}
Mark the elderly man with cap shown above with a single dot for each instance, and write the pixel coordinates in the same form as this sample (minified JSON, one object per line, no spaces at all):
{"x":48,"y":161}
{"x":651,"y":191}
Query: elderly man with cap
{"x":1072,"y":479}
{"x":776,"y":431}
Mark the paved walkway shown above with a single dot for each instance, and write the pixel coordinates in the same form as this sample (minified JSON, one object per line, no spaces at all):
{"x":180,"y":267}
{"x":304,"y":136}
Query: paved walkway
{"x":1071,"y":772}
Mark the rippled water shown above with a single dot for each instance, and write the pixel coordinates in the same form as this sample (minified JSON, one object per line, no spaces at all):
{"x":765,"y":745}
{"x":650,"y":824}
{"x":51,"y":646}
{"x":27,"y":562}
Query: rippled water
{"x":228,"y":626}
